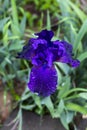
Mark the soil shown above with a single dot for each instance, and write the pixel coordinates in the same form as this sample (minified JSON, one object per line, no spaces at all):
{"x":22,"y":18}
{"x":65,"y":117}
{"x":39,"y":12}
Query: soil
{"x":6,"y":99}
{"x":32,"y":121}
{"x":5,"y":106}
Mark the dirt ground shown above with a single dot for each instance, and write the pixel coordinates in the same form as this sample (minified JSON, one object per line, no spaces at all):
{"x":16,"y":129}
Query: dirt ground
{"x":32,"y":121}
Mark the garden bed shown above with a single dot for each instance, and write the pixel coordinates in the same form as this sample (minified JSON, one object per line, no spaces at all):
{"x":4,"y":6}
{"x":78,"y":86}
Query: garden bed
{"x":19,"y":20}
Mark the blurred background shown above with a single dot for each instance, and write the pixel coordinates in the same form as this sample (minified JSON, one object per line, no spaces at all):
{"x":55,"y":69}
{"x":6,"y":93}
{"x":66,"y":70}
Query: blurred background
{"x":19,"y":20}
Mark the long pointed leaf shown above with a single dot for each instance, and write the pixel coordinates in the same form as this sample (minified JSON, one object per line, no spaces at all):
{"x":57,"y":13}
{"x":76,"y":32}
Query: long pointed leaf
{"x":80,"y":35}
{"x":83,"y":56}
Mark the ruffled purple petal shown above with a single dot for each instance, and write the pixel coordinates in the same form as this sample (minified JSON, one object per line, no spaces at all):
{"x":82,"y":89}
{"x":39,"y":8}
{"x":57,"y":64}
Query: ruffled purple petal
{"x":34,"y":50}
{"x":70,"y":61}
{"x":38,"y":42}
{"x":43,"y":80}
{"x":75,"y":63}
{"x":67,"y":46}
{"x":27,"y":52}
{"x":54,"y":54}
{"x":64,"y":54}
{"x":45,"y":34}
{"x":42,"y":50}
{"x":63,"y":47}
{"x":39,"y":59}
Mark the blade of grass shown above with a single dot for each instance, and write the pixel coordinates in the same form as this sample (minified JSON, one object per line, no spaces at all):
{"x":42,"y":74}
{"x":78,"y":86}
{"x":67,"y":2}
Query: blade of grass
{"x":48,"y":21}
{"x":80,"y":35}
{"x":83,"y":56}
{"x":20,"y":119}
{"x":14,"y":12}
{"x":78,"y":11}
{"x":48,"y":103}
{"x":76,"y":107}
{"x":83,"y":95}
{"x":75,"y":90}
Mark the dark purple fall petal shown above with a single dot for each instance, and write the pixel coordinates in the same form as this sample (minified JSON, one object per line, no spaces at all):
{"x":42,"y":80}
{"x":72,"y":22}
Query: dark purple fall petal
{"x":43,"y":80}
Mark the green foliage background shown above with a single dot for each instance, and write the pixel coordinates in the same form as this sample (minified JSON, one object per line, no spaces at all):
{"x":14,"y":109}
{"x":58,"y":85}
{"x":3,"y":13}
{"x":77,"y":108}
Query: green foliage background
{"x":18,"y":21}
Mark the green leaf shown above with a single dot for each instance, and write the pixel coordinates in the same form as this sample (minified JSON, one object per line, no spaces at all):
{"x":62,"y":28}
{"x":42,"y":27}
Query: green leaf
{"x":73,"y":33}
{"x":83,"y":95}
{"x":7,"y":59}
{"x":23,"y":25}
{"x":76,"y":107}
{"x":48,"y":103}
{"x":15,"y":46}
{"x":64,"y":7}
{"x":28,"y":107}
{"x":15,"y":29}
{"x":21,"y":72}
{"x":5,"y":33}
{"x":83,"y":56}
{"x":20,"y":119}
{"x":59,"y":76}
{"x":63,"y":67}
{"x":59,"y":109}
{"x":48,"y":21}
{"x":13,"y":37}
{"x":64,"y":121}
{"x":6,"y":4}
{"x":75,"y":90}
{"x":14,"y":13}
{"x":26,"y":96}
{"x":80,"y":35}
{"x":78,"y":11}
{"x":69,"y":116}
{"x":3,"y":22}
{"x":65,"y":88}
{"x":2,"y":73}
{"x":37,"y":101}
{"x":9,"y":77}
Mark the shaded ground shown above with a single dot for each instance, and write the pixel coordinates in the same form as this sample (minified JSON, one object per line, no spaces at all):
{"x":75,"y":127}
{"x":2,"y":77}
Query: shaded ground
{"x":5,"y":106}
{"x":7,"y":100}
{"x":32,"y":121}
{"x":83,"y":125}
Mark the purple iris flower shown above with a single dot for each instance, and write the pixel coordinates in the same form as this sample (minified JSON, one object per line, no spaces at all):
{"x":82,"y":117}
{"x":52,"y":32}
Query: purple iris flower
{"x":43,"y":52}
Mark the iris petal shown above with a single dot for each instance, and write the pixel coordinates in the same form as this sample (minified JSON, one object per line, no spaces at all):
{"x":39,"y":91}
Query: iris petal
{"x":37,"y":42}
{"x":27,"y":51}
{"x":70,"y":61}
{"x":65,"y":53}
{"x":45,"y":34}
{"x":75,"y":63}
{"x":43,"y":80}
{"x":67,"y":46}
